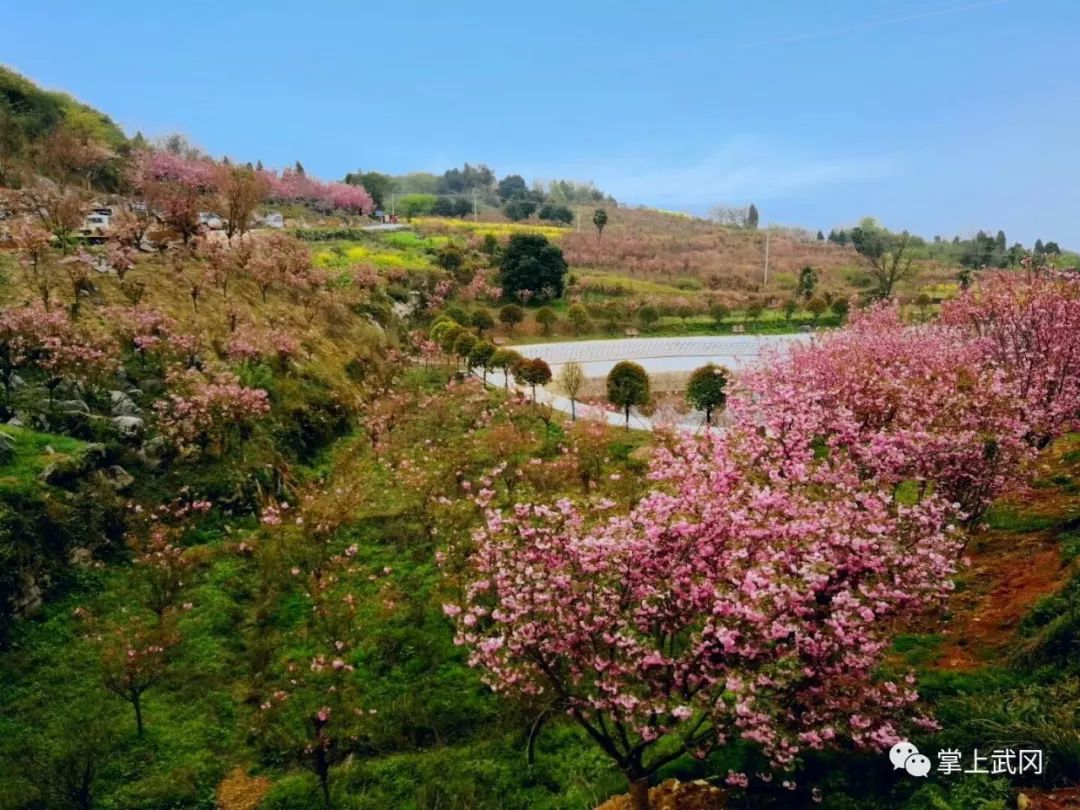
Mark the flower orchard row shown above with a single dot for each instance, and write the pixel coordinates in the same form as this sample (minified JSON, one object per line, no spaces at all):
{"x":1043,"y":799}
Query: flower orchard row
{"x":170,"y":191}
{"x":178,"y":187}
{"x":44,"y":348}
{"x":752,"y":595}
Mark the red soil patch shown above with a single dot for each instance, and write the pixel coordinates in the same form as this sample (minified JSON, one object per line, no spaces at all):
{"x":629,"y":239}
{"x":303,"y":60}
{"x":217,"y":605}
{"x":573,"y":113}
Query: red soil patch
{"x":675,"y":795}
{"x":1009,"y":572}
{"x":1064,"y":799}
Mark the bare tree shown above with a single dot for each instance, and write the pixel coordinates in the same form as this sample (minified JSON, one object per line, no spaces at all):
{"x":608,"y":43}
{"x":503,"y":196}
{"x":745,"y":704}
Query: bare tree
{"x":887,"y":257}
{"x":730,"y":216}
{"x":240,"y":189}
{"x":571,"y":379}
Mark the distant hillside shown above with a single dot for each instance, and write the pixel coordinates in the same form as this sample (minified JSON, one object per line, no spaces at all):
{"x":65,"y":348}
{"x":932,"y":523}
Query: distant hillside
{"x":29,"y":114}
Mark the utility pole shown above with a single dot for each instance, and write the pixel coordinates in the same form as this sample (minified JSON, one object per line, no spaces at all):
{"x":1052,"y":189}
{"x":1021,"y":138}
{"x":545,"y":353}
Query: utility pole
{"x":766,"y":283}
{"x":393,"y":203}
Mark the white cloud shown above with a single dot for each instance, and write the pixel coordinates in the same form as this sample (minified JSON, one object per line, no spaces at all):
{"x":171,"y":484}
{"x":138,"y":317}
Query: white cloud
{"x":741,"y":170}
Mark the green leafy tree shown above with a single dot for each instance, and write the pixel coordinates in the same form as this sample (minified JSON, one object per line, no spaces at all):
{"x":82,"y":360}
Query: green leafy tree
{"x":816,"y":306}
{"x":463,"y":346}
{"x":513,"y":185}
{"x":791,"y":306}
{"x":415,"y":205}
{"x":599,"y":219}
{"x":503,"y":360}
{"x":531,"y":262}
{"x":579,"y":318}
{"x":481,"y":321}
{"x":532,"y":372}
{"x":887,"y":256}
{"x":754,"y":310}
{"x":808,"y":279}
{"x":510,"y":316}
{"x":923,"y":301}
{"x":840,"y":307}
{"x":706,"y":390}
{"x":450,"y":257}
{"x":480,"y":357}
{"x":555,"y":213}
{"x":613,"y":312}
{"x":648,"y":317}
{"x":546,"y":317}
{"x":519,"y":208}
{"x":450,"y":337}
{"x":627,"y":387}
{"x":379,"y":186}
{"x":719,"y":313}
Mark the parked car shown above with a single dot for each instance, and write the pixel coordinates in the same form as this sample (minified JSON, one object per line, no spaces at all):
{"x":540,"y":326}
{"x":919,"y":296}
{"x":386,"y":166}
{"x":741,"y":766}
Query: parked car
{"x":96,"y":224}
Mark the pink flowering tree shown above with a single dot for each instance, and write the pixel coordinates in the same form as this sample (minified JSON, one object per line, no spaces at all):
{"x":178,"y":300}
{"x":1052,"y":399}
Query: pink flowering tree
{"x":152,"y":337}
{"x":297,"y":187}
{"x":749,"y":596}
{"x":959,"y":405}
{"x":176,"y":188}
{"x":280,"y":261}
{"x":162,"y":565}
{"x":49,"y":347}
{"x":1029,"y":329}
{"x":35,"y":252}
{"x":134,"y":658}
{"x":250,"y":345}
{"x":208,"y":414}
{"x":313,"y":710}
{"x":925,"y":406}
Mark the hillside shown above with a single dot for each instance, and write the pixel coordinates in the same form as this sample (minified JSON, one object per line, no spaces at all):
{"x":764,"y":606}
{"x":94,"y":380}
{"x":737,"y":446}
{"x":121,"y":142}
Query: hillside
{"x":30,"y":116}
{"x":276,"y":535}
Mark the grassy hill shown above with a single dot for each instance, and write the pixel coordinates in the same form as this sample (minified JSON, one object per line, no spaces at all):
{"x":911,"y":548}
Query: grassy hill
{"x":29,"y":115}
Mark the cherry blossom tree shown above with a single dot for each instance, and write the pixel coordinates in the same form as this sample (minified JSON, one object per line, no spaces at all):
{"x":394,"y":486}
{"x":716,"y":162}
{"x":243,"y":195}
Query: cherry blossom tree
{"x":207,"y":414}
{"x":296,"y":186}
{"x":152,"y":336}
{"x":749,"y":596}
{"x":49,"y":346}
{"x":176,"y":187}
{"x":1030,"y":331}
{"x":959,"y":405}
{"x":281,"y":260}
{"x":34,"y":245}
{"x":135,"y":658}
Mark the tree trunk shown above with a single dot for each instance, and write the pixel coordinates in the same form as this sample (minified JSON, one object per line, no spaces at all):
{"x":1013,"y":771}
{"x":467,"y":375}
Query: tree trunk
{"x":322,"y":768}
{"x":639,"y":793}
{"x":627,"y":417}
{"x":573,"y":411}
{"x":136,"y":702}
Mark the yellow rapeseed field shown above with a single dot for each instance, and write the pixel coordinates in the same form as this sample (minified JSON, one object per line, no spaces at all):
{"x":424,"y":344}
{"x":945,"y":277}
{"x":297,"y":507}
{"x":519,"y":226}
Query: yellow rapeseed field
{"x":497,"y":229}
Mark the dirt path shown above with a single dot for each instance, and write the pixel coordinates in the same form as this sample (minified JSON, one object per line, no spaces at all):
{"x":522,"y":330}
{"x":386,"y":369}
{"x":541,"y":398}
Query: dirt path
{"x":1012,"y":567}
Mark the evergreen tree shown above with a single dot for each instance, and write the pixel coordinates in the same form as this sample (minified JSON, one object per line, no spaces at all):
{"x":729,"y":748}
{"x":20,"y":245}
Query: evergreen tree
{"x":752,"y":217}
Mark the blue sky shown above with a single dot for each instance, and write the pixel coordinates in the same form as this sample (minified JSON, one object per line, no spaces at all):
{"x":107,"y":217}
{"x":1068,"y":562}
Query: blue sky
{"x":941,"y":116}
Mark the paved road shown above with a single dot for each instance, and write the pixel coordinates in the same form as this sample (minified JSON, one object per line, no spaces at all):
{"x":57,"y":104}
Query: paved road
{"x":665,"y":354}
{"x":744,"y":347}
